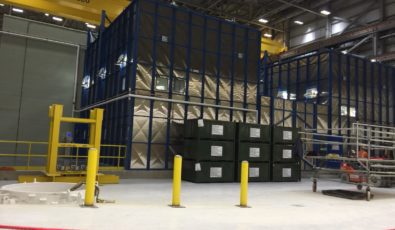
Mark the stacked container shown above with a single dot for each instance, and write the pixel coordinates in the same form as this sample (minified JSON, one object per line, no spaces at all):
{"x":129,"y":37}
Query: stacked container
{"x":208,"y":151}
{"x":253,"y":145}
{"x":286,"y":163}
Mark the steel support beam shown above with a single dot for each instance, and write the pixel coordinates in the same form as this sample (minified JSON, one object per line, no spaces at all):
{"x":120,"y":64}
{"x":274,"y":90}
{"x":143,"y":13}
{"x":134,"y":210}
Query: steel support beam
{"x":348,"y":36}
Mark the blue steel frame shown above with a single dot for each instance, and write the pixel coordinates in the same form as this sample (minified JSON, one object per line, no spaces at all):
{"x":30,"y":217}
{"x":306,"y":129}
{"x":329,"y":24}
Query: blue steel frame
{"x":124,"y":36}
{"x":355,"y":82}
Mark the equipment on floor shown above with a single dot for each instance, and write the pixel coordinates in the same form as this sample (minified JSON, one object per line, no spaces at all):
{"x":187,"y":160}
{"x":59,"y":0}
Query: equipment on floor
{"x":367,"y":159}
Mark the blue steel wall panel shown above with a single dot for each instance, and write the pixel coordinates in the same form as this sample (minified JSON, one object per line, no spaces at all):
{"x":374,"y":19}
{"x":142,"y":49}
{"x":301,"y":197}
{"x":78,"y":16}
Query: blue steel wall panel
{"x":152,"y":41}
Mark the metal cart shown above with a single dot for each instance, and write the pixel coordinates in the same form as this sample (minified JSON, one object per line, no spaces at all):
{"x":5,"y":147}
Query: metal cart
{"x":362,"y":155}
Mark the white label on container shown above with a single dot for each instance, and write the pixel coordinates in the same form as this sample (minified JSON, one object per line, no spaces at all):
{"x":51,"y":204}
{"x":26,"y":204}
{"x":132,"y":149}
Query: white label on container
{"x":287,"y":135}
{"x":253,"y":172}
{"x":287,"y":153}
{"x":200,"y":123}
{"x":215,"y":172}
{"x":198,"y":167}
{"x":254,"y":152}
{"x":217,"y":130}
{"x":335,"y":147}
{"x":255,"y":132}
{"x":165,"y":38}
{"x":216,"y":151}
{"x":287,"y":172}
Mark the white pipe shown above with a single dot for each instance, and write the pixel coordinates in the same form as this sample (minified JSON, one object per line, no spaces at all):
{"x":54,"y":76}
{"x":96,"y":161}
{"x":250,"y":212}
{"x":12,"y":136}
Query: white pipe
{"x":77,"y":46}
{"x":165,"y":100}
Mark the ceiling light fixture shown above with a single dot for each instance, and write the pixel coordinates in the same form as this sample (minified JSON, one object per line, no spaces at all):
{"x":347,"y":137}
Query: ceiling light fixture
{"x":46,"y":14}
{"x":262,"y":20}
{"x":298,"y":22}
{"x":325,"y":12}
{"x":17,"y":10}
{"x":1,"y":4}
{"x":267,"y":35}
{"x":57,"y":19}
{"x":90,"y":26}
{"x":373,"y":60}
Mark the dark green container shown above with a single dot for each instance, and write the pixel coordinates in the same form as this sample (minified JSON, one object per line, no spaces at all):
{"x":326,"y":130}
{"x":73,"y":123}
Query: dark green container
{"x":254,"y":152}
{"x":207,"y":150}
{"x":207,"y":172}
{"x":257,"y":172}
{"x":284,"y":135}
{"x":284,"y":154}
{"x":286,"y":172}
{"x":253,"y":132}
{"x":209,"y":129}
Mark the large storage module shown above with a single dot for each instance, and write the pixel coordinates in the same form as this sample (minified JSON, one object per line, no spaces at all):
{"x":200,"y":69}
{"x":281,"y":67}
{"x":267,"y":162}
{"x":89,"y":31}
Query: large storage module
{"x":285,"y":160}
{"x":209,"y":151}
{"x":253,"y":145}
{"x":155,"y":51}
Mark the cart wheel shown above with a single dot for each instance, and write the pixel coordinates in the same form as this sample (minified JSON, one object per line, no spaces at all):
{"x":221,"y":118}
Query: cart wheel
{"x":368,"y":194}
{"x":314,"y":185}
{"x":359,"y":187}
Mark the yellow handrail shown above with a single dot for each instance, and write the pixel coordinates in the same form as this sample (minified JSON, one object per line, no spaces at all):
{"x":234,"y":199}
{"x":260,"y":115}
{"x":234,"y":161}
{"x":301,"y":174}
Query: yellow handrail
{"x":119,"y":154}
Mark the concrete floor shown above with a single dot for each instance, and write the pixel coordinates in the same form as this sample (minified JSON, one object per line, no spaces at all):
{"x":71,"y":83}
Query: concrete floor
{"x":142,"y":204}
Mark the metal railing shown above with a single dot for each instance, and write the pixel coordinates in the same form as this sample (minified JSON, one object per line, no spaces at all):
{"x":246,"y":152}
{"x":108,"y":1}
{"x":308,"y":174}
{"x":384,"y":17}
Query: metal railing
{"x":118,"y":155}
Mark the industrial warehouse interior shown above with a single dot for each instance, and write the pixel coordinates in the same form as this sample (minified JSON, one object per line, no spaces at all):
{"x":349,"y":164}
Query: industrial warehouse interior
{"x":217,"y":114}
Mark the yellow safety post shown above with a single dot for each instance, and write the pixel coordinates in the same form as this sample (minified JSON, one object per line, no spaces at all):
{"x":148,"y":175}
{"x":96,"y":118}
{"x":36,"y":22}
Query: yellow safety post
{"x":244,"y":184}
{"x":96,"y":129}
{"x":55,"y":114}
{"x":176,"y":181}
{"x":91,"y":177}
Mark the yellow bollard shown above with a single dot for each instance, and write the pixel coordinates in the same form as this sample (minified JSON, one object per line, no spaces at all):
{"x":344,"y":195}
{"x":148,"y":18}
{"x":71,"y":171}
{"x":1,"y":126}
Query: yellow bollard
{"x":176,"y":181}
{"x":244,"y":184}
{"x":91,"y":177}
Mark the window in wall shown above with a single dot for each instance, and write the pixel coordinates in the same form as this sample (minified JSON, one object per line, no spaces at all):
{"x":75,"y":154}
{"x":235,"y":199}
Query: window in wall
{"x":162,"y":83}
{"x":179,"y":85}
{"x":311,"y":93}
{"x":344,"y":111}
{"x":282,"y":94}
{"x":86,"y":82}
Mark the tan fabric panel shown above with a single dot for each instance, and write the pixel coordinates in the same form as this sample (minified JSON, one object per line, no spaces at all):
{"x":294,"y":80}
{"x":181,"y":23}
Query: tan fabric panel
{"x":224,"y":114}
{"x":160,"y":109}
{"x":195,"y":85}
{"x":251,"y":93}
{"x":210,"y":87}
{"x":287,"y":121}
{"x":335,"y":122}
{"x":193,"y":112}
{"x":209,"y":112}
{"x":159,"y":130}
{"x":265,"y":101}
{"x":265,"y":115}
{"x":143,"y":92}
{"x":322,"y":109}
{"x":322,"y":123}
{"x":309,"y":108}
{"x":251,"y":117}
{"x":178,"y":111}
{"x":143,"y":77}
{"x":139,"y":156}
{"x":278,"y":117}
{"x":278,"y":103}
{"x":140,"y":129}
{"x":238,"y":116}
{"x":238,"y":91}
{"x":300,"y":107}
{"x":288,"y":104}
{"x":158,"y":153}
{"x":141,"y":107}
{"x":224,"y":89}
